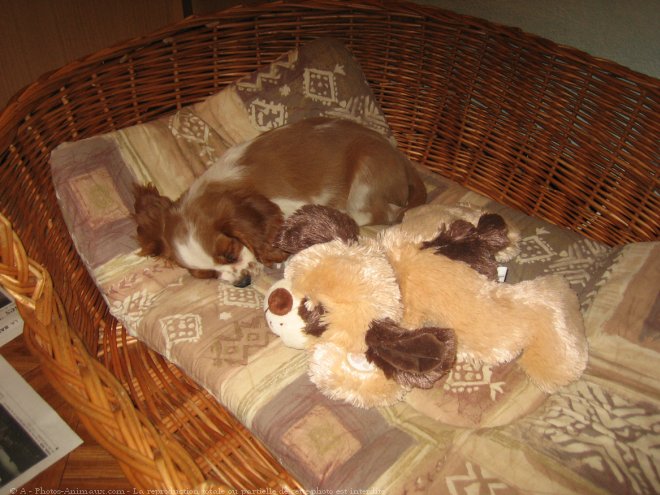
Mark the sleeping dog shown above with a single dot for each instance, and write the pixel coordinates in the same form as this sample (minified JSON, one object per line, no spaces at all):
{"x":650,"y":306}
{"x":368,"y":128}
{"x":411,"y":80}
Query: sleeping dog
{"x":225,"y":224}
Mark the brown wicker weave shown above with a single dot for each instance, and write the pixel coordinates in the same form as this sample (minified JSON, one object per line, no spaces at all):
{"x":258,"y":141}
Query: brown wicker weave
{"x":546,"y":129}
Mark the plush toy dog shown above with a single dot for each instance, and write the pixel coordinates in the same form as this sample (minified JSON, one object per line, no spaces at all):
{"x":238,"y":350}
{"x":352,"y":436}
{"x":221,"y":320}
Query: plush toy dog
{"x":345,"y":310}
{"x":381,"y":316}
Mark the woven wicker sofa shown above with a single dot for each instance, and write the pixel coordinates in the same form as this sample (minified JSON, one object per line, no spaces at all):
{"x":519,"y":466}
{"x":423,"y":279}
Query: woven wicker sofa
{"x":544,"y":129}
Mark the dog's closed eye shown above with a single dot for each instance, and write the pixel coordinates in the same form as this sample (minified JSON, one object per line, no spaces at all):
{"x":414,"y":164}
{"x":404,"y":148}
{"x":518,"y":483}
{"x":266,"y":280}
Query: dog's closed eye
{"x":231,"y":258}
{"x":226,"y":250}
{"x":226,"y":258}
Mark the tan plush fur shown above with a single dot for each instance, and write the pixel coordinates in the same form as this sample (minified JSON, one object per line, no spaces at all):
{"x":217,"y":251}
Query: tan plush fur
{"x":495,"y":323}
{"x":354,"y":283}
{"x":363,"y":280}
{"x":366,"y":387}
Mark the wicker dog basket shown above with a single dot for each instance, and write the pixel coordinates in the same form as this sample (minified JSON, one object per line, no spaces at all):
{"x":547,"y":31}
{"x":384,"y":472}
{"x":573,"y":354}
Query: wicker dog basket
{"x":546,"y":129}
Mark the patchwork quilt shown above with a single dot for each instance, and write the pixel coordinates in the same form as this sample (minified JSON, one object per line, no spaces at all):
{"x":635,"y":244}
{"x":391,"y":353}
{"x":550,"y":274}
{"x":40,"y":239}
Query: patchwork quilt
{"x":481,"y":429}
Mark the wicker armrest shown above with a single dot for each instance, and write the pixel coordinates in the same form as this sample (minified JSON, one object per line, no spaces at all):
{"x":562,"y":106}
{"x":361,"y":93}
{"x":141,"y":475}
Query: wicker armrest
{"x":148,"y":458}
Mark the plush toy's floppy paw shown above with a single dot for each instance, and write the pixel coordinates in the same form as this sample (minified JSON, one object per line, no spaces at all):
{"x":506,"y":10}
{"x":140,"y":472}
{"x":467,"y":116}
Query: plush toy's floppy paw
{"x":350,"y":377}
{"x":558,"y":352}
{"x":315,"y":224}
{"x":414,"y":358}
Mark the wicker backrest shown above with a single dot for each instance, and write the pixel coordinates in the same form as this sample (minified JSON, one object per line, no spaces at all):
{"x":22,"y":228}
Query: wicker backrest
{"x":546,"y":129}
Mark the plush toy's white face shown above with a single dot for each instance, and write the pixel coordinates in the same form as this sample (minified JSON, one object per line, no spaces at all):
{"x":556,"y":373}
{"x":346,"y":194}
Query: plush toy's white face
{"x":347,"y":315}
{"x":281,"y":310}
{"x":348,"y":286}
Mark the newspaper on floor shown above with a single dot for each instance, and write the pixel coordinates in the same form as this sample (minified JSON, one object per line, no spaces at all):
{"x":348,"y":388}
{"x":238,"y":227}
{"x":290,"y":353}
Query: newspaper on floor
{"x":32,"y":434}
{"x":11,"y":323}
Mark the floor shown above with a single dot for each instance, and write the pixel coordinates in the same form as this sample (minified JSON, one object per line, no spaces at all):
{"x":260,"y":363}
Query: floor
{"x":89,"y":467}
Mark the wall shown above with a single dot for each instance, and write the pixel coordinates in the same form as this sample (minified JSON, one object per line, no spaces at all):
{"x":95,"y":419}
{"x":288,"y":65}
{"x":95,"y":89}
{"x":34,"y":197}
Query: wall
{"x":40,"y":35}
{"x":625,"y":31}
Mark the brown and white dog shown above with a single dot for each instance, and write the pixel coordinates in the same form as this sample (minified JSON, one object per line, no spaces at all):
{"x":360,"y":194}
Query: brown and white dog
{"x":225,"y":224}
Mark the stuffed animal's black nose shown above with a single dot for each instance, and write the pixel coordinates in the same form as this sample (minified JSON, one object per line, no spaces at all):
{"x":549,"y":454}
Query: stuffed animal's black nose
{"x":244,"y":281}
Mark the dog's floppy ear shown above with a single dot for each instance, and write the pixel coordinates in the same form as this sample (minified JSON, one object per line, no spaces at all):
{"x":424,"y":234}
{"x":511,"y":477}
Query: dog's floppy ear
{"x":151,"y":209}
{"x":315,"y":224}
{"x":255,"y":223}
{"x":414,"y":358}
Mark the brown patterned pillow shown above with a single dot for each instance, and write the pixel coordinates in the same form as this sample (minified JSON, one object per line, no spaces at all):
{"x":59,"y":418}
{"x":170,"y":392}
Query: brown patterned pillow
{"x":623,"y":308}
{"x":320,"y":79}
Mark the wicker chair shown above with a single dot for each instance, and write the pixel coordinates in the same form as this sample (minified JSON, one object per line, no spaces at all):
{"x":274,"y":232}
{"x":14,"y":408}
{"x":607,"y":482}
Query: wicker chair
{"x":543,"y":128}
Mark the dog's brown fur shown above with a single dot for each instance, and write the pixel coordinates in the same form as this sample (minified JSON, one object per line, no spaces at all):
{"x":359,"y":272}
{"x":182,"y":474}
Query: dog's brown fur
{"x":226,"y":223}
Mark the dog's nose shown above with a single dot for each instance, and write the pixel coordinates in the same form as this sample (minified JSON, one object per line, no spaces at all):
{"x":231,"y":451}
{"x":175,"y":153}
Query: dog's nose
{"x":245,"y":280}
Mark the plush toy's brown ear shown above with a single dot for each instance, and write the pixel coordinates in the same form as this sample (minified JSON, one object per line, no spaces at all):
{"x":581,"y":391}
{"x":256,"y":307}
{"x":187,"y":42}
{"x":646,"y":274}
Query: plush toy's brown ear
{"x":416,"y":358}
{"x":474,"y":245}
{"x":315,"y":224}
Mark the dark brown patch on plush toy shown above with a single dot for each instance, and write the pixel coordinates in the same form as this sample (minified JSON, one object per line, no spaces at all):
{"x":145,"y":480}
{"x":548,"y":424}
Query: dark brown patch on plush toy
{"x":476,"y":246}
{"x":415,"y":358}
{"x":312,"y":319}
{"x":315,"y":224}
